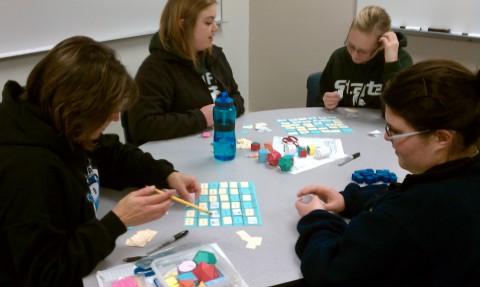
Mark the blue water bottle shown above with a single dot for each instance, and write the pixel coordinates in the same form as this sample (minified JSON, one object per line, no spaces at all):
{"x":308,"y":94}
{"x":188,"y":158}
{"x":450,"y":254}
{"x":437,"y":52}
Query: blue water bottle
{"x":224,"y":115}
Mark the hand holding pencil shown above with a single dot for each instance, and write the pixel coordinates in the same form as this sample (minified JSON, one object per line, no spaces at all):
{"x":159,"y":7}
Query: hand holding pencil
{"x":177,"y":199}
{"x":141,"y":206}
{"x":184,"y":185}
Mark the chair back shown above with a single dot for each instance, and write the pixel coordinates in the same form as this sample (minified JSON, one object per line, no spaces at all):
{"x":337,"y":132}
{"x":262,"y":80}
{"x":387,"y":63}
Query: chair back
{"x":313,"y":89}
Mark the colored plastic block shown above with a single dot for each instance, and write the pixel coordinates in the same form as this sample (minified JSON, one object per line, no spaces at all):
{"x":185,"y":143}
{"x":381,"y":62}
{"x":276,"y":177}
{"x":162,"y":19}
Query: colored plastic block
{"x":393,"y":178}
{"x":189,"y":276}
{"x":286,"y":163}
{"x":268,"y":146}
{"x":205,"y":256}
{"x":186,"y":283}
{"x":214,"y":281}
{"x":255,"y":146}
{"x":206,"y":272}
{"x":358,"y":178}
{"x":273,"y":157}
{"x":302,"y":152}
{"x":262,"y":155}
{"x":126,"y":282}
{"x":368,"y":176}
{"x":186,"y":267}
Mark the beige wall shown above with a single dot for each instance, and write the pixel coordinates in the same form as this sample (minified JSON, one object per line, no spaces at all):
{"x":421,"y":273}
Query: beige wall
{"x":466,"y":53}
{"x":288,"y":41}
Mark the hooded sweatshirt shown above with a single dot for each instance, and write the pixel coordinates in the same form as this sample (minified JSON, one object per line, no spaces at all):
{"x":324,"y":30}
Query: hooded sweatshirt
{"x":423,"y":232}
{"x":172,"y":91}
{"x":50,"y":234}
{"x":362,"y":84}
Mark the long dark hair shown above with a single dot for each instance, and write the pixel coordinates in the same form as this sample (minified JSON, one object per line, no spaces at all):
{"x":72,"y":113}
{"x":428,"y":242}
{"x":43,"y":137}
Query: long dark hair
{"x":438,"y":94}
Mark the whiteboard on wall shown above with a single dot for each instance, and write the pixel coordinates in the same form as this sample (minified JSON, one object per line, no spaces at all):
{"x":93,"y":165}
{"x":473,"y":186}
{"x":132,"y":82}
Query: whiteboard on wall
{"x":30,"y":26}
{"x":460,"y":16}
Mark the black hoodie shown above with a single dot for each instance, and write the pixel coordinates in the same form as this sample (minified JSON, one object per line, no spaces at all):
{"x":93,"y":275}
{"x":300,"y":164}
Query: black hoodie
{"x":49,"y":232}
{"x":172,"y":92}
{"x":362,"y":84}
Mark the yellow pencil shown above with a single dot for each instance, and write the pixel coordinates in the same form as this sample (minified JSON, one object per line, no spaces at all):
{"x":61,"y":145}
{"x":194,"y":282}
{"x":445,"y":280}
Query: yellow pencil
{"x":177,"y":199}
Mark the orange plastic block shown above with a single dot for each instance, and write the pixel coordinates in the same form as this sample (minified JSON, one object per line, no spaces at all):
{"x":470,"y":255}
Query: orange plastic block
{"x":186,"y":283}
{"x":268,"y":146}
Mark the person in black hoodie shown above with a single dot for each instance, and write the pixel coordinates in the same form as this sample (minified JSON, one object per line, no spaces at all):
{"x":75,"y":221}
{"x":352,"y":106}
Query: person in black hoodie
{"x":181,"y":78}
{"x":356,"y":73}
{"x":54,"y":159}
{"x":426,"y":230}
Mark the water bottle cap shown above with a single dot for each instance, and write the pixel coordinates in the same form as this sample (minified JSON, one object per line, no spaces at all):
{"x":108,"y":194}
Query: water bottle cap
{"x":224,"y":100}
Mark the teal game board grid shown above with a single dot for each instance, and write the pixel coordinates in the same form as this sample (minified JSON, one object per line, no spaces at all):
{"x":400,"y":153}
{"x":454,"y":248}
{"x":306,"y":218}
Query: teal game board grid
{"x":313,"y":126}
{"x":232,"y":203}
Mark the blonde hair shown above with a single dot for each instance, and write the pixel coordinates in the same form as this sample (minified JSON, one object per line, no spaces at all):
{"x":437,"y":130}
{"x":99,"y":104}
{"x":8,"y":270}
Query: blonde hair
{"x":372,"y":19}
{"x":178,"y":37}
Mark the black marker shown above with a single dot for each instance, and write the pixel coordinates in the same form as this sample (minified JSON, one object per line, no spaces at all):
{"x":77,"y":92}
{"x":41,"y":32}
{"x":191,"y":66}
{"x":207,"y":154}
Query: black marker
{"x":349,"y":158}
{"x":168,"y":242}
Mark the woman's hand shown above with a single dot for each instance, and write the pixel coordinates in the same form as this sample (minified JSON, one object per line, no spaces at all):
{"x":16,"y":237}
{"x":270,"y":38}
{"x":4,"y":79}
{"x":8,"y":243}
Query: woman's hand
{"x":184,"y":184}
{"x":324,"y":198}
{"x":390,"y":45}
{"x":207,"y":112}
{"x":142,"y":206}
{"x":331,"y":100}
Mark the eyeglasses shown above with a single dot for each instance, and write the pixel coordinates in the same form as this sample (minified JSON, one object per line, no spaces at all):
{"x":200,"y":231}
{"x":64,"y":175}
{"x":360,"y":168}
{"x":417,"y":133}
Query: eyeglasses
{"x":362,"y":53}
{"x":397,"y":136}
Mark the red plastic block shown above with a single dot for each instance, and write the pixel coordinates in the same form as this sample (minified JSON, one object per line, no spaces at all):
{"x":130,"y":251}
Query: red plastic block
{"x":186,"y":283}
{"x":205,"y":272}
{"x":273,"y":157}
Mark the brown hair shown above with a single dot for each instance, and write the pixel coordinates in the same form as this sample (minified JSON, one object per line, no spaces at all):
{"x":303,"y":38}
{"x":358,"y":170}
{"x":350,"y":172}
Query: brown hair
{"x":78,"y":85}
{"x":372,"y":19}
{"x":179,"y":37}
{"x":438,"y":94}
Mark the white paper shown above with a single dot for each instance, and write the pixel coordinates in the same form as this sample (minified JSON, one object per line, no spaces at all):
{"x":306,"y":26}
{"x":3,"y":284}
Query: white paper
{"x":306,"y":163}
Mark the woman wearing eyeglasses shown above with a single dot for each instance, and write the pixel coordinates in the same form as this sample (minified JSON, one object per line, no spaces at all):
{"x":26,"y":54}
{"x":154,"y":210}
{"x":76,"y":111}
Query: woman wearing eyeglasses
{"x":426,"y":230}
{"x":356,"y":73}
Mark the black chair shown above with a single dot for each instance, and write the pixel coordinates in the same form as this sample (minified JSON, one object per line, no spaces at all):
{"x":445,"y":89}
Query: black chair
{"x":124,"y":122}
{"x":313,"y":89}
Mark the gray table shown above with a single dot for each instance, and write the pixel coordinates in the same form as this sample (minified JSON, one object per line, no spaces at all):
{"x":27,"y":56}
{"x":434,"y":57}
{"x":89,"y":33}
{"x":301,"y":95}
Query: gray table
{"x":274,"y":262}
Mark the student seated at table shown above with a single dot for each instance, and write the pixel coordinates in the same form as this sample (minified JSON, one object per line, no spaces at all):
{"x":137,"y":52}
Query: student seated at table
{"x":424,"y":231}
{"x":181,"y":78}
{"x":356,"y":73}
{"x":54,"y":158}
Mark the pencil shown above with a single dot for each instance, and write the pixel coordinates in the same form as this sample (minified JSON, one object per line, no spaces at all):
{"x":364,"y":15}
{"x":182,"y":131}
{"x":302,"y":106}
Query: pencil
{"x":177,"y":199}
